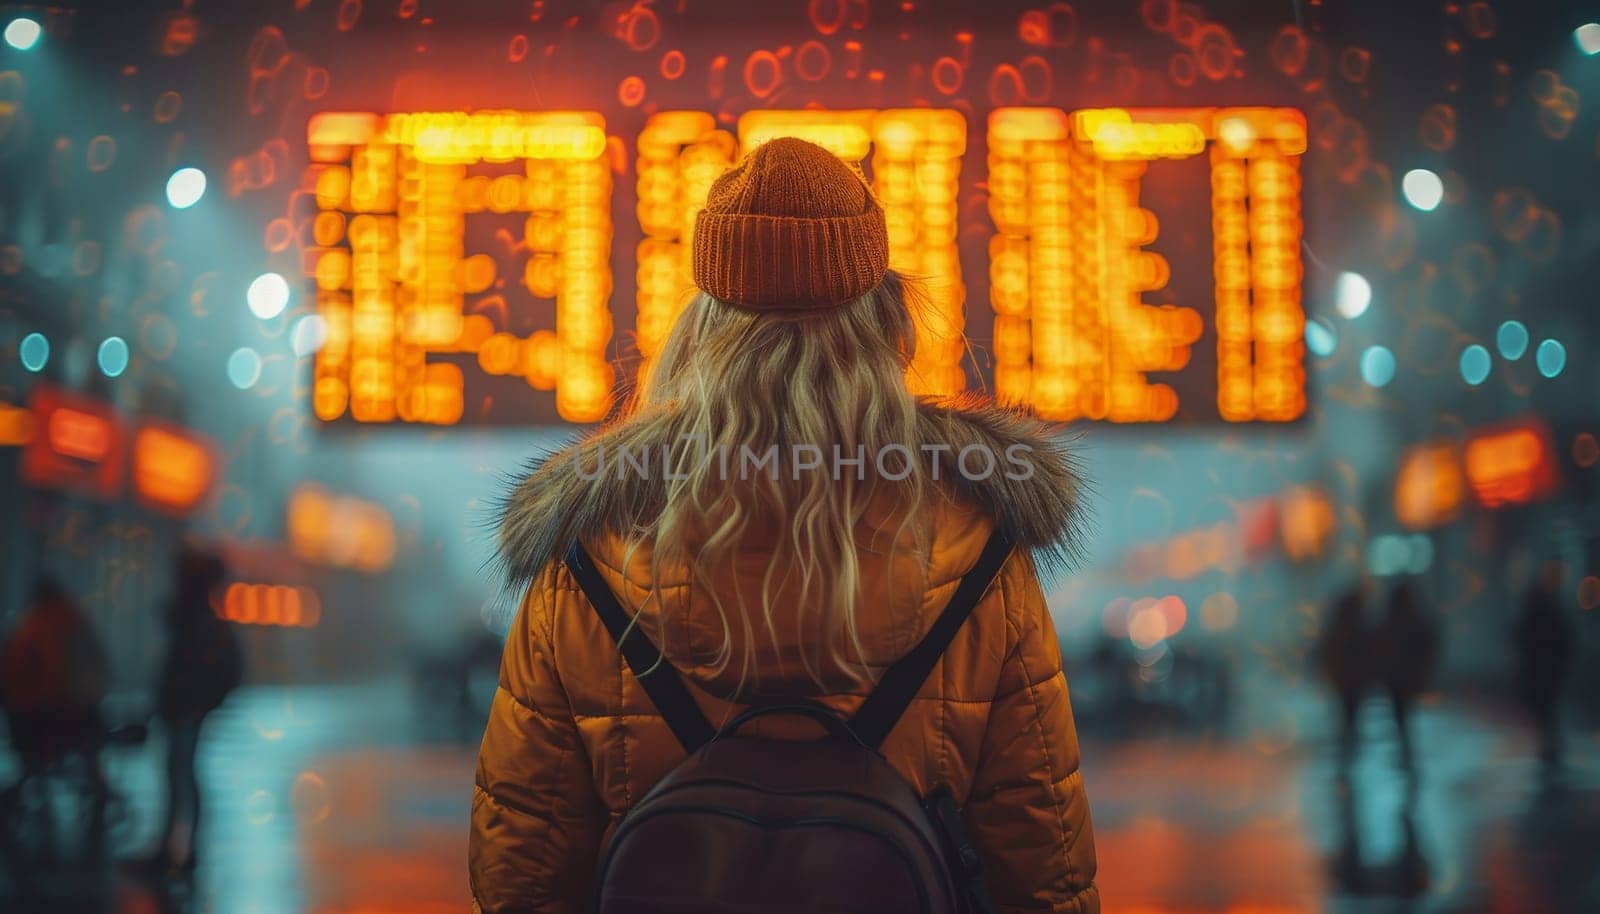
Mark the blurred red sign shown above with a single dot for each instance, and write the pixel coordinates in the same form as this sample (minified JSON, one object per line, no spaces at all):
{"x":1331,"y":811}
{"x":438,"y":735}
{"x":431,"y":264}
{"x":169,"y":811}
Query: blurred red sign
{"x":78,"y":444}
{"x":1511,"y":464}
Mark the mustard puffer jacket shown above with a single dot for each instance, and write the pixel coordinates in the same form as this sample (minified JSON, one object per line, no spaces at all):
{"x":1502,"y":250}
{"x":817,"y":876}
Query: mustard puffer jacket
{"x":573,"y":741}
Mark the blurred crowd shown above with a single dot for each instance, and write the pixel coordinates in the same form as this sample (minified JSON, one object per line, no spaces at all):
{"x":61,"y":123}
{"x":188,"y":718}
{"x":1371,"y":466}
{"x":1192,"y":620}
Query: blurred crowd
{"x":1397,"y":655}
{"x":53,"y":688}
{"x":1378,"y":645}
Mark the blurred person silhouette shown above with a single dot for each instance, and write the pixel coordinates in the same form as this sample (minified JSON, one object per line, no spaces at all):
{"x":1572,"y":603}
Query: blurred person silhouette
{"x":53,"y":676}
{"x":1543,"y":640}
{"x":1344,"y":652}
{"x":1408,"y":651}
{"x":203,"y":664}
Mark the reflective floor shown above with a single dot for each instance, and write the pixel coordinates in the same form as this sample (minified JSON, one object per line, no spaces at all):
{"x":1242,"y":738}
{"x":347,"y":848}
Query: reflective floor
{"x":348,"y":799}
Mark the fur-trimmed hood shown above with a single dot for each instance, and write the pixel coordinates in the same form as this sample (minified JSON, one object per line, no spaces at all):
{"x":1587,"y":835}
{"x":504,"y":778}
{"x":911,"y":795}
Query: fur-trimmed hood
{"x":556,"y":499}
{"x":573,"y":739}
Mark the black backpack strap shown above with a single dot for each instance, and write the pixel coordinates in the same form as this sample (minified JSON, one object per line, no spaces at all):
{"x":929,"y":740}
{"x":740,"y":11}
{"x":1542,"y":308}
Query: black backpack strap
{"x":660,"y":679}
{"x":883,"y":708}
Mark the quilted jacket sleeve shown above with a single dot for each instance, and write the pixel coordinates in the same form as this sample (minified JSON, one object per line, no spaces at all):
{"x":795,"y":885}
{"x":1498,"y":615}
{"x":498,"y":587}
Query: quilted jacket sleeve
{"x":1027,"y":812}
{"x":536,"y":819}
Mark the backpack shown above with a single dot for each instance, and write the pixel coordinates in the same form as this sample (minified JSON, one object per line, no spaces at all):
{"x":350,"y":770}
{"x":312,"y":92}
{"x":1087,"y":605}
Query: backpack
{"x":746,"y":824}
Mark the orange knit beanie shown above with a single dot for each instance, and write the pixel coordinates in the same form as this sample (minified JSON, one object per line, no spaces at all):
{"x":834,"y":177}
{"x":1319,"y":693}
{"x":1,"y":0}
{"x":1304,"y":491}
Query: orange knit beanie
{"x":791,"y":226}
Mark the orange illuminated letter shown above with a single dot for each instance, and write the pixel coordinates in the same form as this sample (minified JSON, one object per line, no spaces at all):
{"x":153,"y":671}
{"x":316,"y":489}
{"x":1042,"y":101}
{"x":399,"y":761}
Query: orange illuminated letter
{"x":1073,"y":337}
{"x":392,"y":280}
{"x":916,"y":167}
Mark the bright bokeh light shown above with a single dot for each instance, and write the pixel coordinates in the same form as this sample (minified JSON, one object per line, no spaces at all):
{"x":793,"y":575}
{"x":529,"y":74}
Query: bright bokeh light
{"x":1423,"y":189}
{"x":268,"y":295}
{"x":308,"y":335}
{"x":341,"y":531}
{"x":113,"y":356}
{"x":271,"y":604}
{"x":1152,"y":621}
{"x":1430,"y":486}
{"x":23,"y":33}
{"x":1587,"y":37}
{"x":173,"y":468}
{"x":34,"y":351}
{"x":1377,"y":366}
{"x":1551,"y":357}
{"x":1512,"y":338}
{"x":186,"y":187}
{"x":1352,"y":295}
{"x":1387,"y":554}
{"x":1321,"y":338}
{"x":244,"y":368}
{"x":1475,"y":364}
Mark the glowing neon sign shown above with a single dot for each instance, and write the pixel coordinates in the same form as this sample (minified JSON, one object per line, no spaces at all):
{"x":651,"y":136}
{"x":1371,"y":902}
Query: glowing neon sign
{"x":916,"y":167}
{"x":1511,"y":464}
{"x":78,"y":443}
{"x":391,"y":280}
{"x":1067,"y":264}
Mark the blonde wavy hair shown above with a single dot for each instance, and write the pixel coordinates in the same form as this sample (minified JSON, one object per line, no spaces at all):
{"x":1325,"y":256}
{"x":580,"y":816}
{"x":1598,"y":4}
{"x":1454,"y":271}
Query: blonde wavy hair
{"x":728,"y":378}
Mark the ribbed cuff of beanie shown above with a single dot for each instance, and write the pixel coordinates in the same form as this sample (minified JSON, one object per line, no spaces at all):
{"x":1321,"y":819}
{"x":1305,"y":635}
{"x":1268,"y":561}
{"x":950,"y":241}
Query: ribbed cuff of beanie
{"x":787,"y":262}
